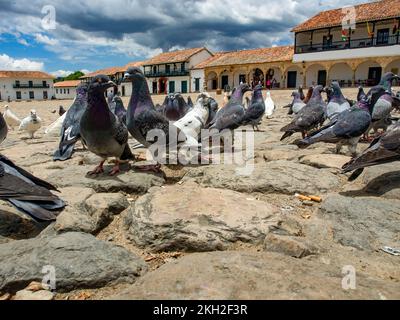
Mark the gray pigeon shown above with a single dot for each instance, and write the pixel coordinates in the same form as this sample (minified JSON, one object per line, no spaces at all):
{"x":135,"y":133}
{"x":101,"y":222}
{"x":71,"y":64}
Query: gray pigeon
{"x":3,"y":128}
{"x":142,"y":118}
{"x":297,"y":103}
{"x":231,"y":115}
{"x":117,"y":107}
{"x":102,"y":132}
{"x":28,"y":193}
{"x":256,"y":109}
{"x":383,"y":149}
{"x":309,"y":117}
{"x":344,"y":129}
{"x":70,"y":130}
{"x":361,"y":94}
{"x":337,"y":102}
{"x":384,"y":105}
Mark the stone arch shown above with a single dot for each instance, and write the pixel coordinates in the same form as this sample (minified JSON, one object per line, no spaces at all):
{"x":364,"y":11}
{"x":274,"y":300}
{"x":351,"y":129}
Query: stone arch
{"x":274,"y":73}
{"x":296,"y":79}
{"x":238,"y":75}
{"x":342,"y":73}
{"x":368,"y":73}
{"x":212,"y":81}
{"x":314,"y":74}
{"x":257,"y":75}
{"x":394,"y":66}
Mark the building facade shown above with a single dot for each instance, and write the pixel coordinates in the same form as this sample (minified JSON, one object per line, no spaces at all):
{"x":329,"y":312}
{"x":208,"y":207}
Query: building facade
{"x":171,"y":72}
{"x":329,"y":47}
{"x":25,"y":85}
{"x":66,"y":89}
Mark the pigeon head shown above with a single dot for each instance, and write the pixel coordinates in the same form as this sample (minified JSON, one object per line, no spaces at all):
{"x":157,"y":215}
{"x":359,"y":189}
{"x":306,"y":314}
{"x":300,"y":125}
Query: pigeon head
{"x":33,"y":114}
{"x":133,"y":73}
{"x":258,"y":88}
{"x":244,"y":87}
{"x":100,"y":83}
{"x":6,"y":107}
{"x":317,"y":91}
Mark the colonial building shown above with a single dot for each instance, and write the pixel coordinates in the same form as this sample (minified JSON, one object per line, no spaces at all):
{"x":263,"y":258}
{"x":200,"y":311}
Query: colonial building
{"x":66,"y":89}
{"x":353,"y":45}
{"x":25,"y":85}
{"x":229,"y":69}
{"x":171,"y":72}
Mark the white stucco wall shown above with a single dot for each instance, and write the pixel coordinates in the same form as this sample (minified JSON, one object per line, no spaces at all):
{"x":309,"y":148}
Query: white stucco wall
{"x":196,"y":73}
{"x":363,"y":68}
{"x":7,"y":90}
{"x":198,"y":58}
{"x":65,"y":92}
{"x":340,"y":71}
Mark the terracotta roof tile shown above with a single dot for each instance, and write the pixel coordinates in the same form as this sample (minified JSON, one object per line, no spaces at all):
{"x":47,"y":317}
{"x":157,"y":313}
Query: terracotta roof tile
{"x":134,"y":64}
{"x":67,"y":83}
{"x":384,"y":9}
{"x":107,"y":71}
{"x":261,"y":55}
{"x":173,"y":56}
{"x":25,"y":74}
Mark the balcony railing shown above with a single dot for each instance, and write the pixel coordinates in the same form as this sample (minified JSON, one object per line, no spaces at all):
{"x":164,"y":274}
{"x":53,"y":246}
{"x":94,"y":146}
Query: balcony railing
{"x":167,"y":73}
{"x":33,"y":86}
{"x":349,"y":44}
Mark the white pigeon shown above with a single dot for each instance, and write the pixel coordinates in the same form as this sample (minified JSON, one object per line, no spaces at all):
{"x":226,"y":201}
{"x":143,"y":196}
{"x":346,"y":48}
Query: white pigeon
{"x":192,"y":123}
{"x":11,"y":119}
{"x":269,"y":105}
{"x":54,"y":129}
{"x":31,"y":124}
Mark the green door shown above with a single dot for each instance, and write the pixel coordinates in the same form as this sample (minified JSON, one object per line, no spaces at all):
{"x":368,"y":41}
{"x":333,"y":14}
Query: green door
{"x":172,"y":87}
{"x":184,"y":87}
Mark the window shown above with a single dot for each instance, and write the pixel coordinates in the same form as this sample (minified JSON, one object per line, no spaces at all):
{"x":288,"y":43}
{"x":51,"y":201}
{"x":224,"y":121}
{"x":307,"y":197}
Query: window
{"x":65,"y":91}
{"x":44,"y":84}
{"x":382,"y":36}
{"x":30,"y":84}
{"x":56,"y":91}
{"x":18,"y":94}
{"x":327,"y":41}
{"x":45,"y":96}
{"x":182,"y":67}
{"x":154,"y":69}
{"x":167,"y":68}
{"x":17,"y":84}
{"x":68,"y":91}
{"x":31,"y":95}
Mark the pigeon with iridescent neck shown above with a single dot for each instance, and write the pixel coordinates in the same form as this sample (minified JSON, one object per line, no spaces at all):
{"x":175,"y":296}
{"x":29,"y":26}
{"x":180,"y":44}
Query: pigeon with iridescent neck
{"x":337,"y":102}
{"x":71,"y":129}
{"x":101,"y":131}
{"x":255,"y":112}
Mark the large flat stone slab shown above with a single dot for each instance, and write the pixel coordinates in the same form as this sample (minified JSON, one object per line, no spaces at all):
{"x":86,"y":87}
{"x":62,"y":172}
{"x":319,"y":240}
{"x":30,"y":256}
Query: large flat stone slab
{"x":79,"y":261}
{"x":366,"y":223}
{"x":273,"y":177}
{"x":335,"y":161}
{"x":127,"y":181}
{"x":192,"y":218}
{"x":383,"y":180}
{"x":253,"y":275}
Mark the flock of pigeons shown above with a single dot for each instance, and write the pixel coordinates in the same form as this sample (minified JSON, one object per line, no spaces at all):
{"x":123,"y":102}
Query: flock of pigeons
{"x":348,"y":121}
{"x":104,"y":126}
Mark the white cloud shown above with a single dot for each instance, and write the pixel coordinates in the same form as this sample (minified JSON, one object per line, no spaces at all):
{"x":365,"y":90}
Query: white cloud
{"x":41,"y":38}
{"x":61,"y":73}
{"x":9,"y":63}
{"x":85,"y":71}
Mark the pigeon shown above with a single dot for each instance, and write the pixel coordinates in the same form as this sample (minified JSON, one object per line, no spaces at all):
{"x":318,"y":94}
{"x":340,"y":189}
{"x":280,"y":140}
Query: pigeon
{"x":117,"y":107}
{"x":101,"y":131}
{"x":309,"y":117}
{"x":31,"y":124}
{"x":309,"y":94}
{"x":254,"y":113}
{"x":231,"y":115}
{"x":28,"y":193}
{"x":55,"y":128}
{"x":383,"y":149}
{"x":70,"y":130}
{"x":143,"y":119}
{"x":11,"y":119}
{"x":61,"y":111}
{"x":3,"y":128}
{"x":175,"y":107}
{"x":297,"y":104}
{"x":192,"y":123}
{"x":337,"y":102}
{"x":360,"y":94}
{"x":301,"y":93}
{"x":269,"y":105}
{"x":190,"y":102}
{"x":384,"y":105}
{"x":344,"y":129}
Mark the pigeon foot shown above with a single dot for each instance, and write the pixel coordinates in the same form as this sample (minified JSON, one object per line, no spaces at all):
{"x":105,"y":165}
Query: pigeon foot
{"x":97,"y":170}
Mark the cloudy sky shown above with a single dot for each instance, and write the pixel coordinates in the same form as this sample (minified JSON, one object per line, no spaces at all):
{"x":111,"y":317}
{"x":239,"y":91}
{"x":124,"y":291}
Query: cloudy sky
{"x":89,"y":35}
